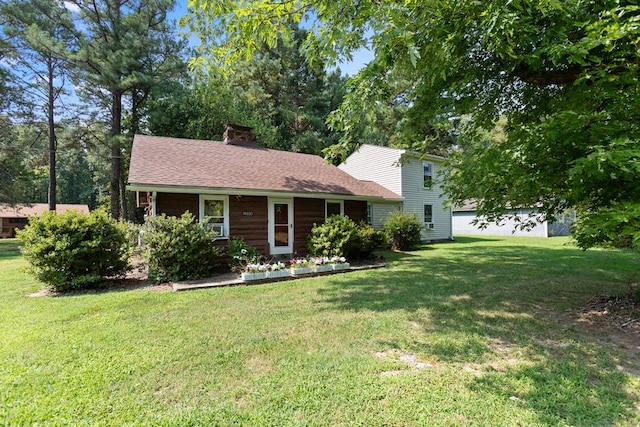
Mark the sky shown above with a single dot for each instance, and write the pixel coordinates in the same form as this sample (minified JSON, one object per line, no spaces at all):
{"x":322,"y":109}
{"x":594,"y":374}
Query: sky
{"x":360,"y":57}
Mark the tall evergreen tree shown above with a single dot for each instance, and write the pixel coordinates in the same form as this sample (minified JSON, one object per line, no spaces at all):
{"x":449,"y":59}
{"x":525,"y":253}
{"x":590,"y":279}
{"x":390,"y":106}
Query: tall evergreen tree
{"x":295,"y":94}
{"x":129,"y":47}
{"x":41,"y":32}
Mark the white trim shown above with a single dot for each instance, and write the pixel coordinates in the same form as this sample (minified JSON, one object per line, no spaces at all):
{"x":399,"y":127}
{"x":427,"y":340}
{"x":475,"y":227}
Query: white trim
{"x":154,"y":196}
{"x":253,"y":192}
{"x":273,"y":249}
{"x":333,"y":201}
{"x":225,"y":201}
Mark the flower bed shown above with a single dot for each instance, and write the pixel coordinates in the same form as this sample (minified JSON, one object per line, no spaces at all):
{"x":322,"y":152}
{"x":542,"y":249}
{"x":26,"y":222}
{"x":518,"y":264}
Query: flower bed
{"x":300,"y":266}
{"x":297,"y":267}
{"x":339,"y":263}
{"x":321,"y":265}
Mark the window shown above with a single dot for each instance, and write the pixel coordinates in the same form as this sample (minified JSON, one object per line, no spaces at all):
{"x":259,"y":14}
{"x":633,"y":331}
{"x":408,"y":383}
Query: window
{"x":333,"y":207}
{"x":214,"y":210}
{"x":427,"y":174}
{"x":369,"y":214}
{"x":428,"y":214}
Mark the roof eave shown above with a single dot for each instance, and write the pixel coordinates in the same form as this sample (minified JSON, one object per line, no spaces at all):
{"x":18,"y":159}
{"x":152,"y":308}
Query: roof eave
{"x":254,"y":192}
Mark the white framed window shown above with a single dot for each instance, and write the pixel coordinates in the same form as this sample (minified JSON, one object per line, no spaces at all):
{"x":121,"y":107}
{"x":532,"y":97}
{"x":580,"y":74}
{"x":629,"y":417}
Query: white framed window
{"x":427,"y":174}
{"x":428,"y":216}
{"x":215,"y":211}
{"x":369,"y":214}
{"x":334,"y":207}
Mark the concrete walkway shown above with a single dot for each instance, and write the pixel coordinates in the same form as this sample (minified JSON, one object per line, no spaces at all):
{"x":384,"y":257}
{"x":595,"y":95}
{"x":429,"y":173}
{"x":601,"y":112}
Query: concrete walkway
{"x":233,"y":279}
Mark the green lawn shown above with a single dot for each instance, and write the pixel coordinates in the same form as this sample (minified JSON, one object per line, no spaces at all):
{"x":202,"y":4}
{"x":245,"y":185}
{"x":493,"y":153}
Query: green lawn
{"x":481,"y":332}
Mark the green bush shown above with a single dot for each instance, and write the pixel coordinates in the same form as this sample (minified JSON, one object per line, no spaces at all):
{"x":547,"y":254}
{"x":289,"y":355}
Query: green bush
{"x":403,"y":231}
{"x":340,"y":236}
{"x":74,"y":251}
{"x":178,"y":248}
{"x":241,"y":254}
{"x":372,"y":239}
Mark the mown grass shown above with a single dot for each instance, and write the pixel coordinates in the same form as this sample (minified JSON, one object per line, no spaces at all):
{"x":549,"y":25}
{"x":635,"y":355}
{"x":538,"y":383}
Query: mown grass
{"x":475,"y":332}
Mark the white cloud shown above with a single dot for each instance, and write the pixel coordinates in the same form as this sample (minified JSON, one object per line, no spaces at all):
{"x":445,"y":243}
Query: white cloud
{"x":71,"y":7}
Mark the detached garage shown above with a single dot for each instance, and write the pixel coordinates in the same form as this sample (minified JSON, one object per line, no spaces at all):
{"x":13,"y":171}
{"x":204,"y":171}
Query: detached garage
{"x":463,"y":217}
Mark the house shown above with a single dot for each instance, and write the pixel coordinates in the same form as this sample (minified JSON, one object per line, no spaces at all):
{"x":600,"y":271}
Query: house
{"x":270,"y":198}
{"x":413,"y":177}
{"x":15,"y":217}
{"x":463,"y":217}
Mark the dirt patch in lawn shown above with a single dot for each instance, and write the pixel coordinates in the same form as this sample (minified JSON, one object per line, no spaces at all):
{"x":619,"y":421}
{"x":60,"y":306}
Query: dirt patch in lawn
{"x":618,"y":318}
{"x":621,"y":312}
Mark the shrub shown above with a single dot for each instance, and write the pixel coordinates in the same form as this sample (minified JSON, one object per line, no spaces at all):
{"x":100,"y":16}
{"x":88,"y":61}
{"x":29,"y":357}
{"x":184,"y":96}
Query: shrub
{"x":73,"y":250}
{"x":178,"y":248}
{"x":241,"y":254}
{"x":403,"y":231}
{"x":372,"y":239}
{"x":340,"y":236}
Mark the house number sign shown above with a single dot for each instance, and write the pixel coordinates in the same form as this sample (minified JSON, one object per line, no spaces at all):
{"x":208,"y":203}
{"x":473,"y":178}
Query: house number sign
{"x":247,"y":213}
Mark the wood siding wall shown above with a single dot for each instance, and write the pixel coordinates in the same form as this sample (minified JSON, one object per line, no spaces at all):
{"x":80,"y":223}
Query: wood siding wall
{"x":175,"y":204}
{"x":248,"y":218}
{"x":306,"y":212}
{"x":356,"y":210}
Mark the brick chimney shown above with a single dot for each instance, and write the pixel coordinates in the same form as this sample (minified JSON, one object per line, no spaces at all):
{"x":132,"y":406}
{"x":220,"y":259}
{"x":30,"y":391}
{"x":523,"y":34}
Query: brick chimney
{"x":238,"y":135}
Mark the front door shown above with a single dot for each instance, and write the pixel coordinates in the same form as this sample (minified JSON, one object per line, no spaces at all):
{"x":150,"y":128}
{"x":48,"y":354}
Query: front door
{"x":281,"y":226}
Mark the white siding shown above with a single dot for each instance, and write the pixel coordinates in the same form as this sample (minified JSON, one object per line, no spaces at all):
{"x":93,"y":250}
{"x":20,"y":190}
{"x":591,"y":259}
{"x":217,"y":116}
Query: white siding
{"x":380,"y":212}
{"x":462,"y":225}
{"x":382,"y":165}
{"x":416,"y":196}
{"x":377,"y":164}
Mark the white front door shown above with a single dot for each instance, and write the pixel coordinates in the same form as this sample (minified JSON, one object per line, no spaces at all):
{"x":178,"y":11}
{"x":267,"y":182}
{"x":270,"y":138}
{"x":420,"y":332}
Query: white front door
{"x":281,"y":226}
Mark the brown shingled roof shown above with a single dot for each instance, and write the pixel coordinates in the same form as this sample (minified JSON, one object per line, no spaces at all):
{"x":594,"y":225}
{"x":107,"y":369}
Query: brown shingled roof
{"x":162,"y":161}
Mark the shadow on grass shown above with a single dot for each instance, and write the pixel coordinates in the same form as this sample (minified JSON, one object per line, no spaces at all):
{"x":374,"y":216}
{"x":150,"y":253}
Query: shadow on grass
{"x":9,"y":249}
{"x":503,"y":309}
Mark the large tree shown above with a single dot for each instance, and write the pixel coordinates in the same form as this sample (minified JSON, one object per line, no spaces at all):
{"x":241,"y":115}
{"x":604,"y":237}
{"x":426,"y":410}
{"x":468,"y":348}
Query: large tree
{"x":41,"y":34}
{"x":564,"y":75}
{"x":128,"y":48}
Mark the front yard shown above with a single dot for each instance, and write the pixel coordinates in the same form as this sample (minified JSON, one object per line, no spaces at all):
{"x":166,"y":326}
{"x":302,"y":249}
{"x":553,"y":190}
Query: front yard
{"x":482,"y":331}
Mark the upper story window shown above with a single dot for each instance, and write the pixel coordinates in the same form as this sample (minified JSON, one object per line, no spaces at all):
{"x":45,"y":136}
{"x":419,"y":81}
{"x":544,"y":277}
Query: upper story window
{"x":215,"y":211}
{"x":427,"y":174}
{"x":333,"y":207}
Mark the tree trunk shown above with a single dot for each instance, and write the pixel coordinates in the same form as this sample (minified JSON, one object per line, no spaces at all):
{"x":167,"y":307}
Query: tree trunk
{"x":52,"y":138}
{"x":116,"y":130}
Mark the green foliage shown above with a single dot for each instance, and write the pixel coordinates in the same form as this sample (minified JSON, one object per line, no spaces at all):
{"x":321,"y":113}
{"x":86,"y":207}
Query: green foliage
{"x":241,"y":254}
{"x":403,"y":230}
{"x":372,"y":239}
{"x":563,"y":76}
{"x":74,"y":251}
{"x":277,"y":92}
{"x":340,"y":236}
{"x":617,"y":225}
{"x":178,"y":248}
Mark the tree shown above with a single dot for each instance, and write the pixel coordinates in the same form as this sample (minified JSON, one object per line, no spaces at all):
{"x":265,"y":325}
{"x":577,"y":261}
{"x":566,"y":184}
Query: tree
{"x":277,"y":92}
{"x":128,"y":48}
{"x":564,"y":75}
{"x":41,"y":32}
{"x":200,"y":110}
{"x":296,"y":95}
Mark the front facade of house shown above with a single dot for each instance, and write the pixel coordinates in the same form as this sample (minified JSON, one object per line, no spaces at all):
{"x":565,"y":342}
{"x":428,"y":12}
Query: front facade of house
{"x":269,"y":198}
{"x":411,"y":176}
{"x":16,"y":217}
